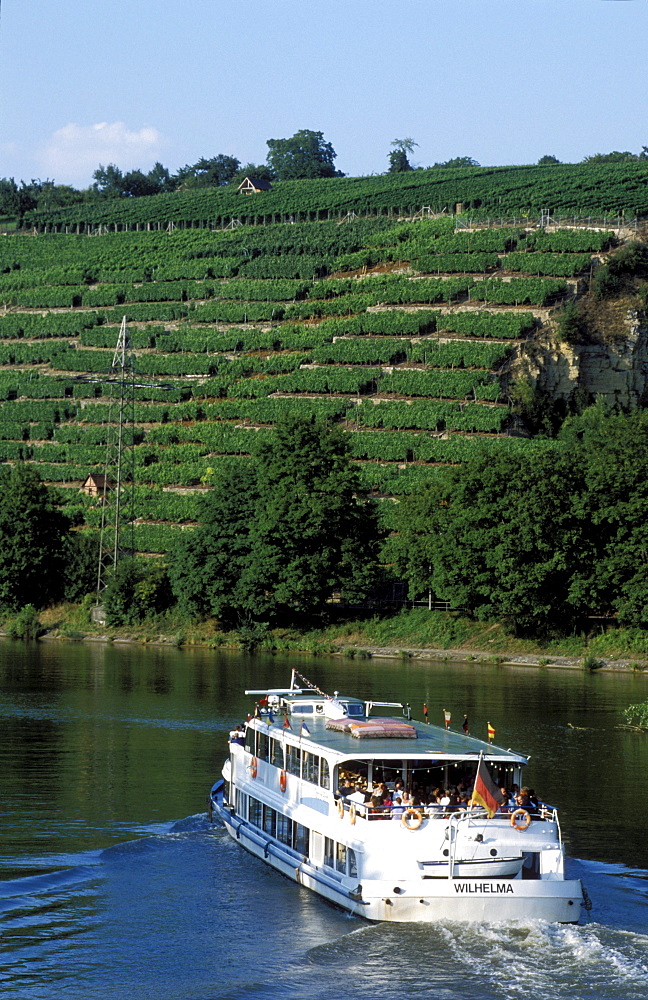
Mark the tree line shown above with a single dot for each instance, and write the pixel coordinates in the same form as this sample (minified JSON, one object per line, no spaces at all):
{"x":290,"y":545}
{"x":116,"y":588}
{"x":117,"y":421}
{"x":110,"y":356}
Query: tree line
{"x":304,"y":155}
{"x":548,"y":542}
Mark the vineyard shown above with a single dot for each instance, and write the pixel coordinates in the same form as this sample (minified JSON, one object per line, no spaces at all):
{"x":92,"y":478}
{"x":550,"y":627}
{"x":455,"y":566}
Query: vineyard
{"x":583,"y":189}
{"x":401,"y":332}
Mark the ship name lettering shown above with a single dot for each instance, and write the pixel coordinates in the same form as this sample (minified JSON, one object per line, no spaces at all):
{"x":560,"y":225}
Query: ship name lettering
{"x":483,"y":887}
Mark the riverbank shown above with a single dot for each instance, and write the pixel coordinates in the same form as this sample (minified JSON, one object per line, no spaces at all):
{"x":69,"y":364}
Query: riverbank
{"x":412,"y":634}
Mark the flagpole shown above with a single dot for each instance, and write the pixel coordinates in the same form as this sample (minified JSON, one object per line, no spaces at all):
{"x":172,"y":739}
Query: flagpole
{"x":472,"y":801}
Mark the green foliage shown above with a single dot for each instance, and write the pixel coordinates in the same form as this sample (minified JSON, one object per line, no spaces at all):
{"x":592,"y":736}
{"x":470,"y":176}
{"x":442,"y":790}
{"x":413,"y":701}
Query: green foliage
{"x":137,"y":589}
{"x":32,"y":535}
{"x":631,"y":261}
{"x":305,"y":155}
{"x":637,"y":715}
{"x":280,"y":536}
{"x":25,"y":625}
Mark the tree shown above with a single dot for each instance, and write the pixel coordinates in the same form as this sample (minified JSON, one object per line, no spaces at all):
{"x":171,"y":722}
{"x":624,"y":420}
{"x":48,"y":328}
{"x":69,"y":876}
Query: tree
{"x":304,"y":155}
{"x":547,"y":160}
{"x":215,"y":172}
{"x":398,"y":158}
{"x":280,"y":537}
{"x":459,"y":161}
{"x":108,"y":181}
{"x":206,"y":567}
{"x":32,"y":535}
{"x":501,"y":538}
{"x":136,"y":590}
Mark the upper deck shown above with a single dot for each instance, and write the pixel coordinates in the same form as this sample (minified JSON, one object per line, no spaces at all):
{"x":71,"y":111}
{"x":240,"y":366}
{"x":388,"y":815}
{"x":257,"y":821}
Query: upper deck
{"x":431,"y":743}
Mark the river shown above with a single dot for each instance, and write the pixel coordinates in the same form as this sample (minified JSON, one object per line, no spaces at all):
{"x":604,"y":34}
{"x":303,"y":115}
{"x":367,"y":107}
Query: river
{"x":114,"y":884}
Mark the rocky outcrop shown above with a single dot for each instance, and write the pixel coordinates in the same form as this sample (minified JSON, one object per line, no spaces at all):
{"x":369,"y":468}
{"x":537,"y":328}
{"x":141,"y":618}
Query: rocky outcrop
{"x":616,"y":372}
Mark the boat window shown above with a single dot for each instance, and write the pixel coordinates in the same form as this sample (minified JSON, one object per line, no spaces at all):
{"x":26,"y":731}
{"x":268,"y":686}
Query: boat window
{"x":300,"y":838}
{"x":341,"y":858}
{"x":310,"y":766}
{"x":316,"y":845}
{"x":355,"y":710}
{"x":301,"y":709}
{"x":293,"y":757}
{"x":284,"y":829}
{"x":276,"y":751}
{"x":262,"y":742}
{"x":353,"y":864}
{"x":249,"y":739}
{"x":329,"y":849}
{"x":325,"y":777}
{"x":240,"y":803}
{"x":269,"y":820}
{"x":255,"y":813}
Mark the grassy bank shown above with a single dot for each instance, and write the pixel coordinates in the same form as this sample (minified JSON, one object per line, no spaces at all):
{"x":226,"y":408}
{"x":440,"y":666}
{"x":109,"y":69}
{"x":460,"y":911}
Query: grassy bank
{"x":410,"y":631}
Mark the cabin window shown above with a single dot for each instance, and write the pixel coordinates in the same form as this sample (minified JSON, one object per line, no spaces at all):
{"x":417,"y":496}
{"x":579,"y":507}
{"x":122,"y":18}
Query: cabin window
{"x":316,"y":845}
{"x":293,"y":759}
{"x":249,"y":739}
{"x":325,"y":777}
{"x":276,"y":751}
{"x":353,"y":864}
{"x":310,"y":766}
{"x":284,"y":829}
{"x":297,"y":709}
{"x":329,"y":852}
{"x":355,"y":710}
{"x":301,"y":838}
{"x":262,"y":742}
{"x":341,"y":858}
{"x":255,"y":813}
{"x":269,"y":820}
{"x":240,"y":803}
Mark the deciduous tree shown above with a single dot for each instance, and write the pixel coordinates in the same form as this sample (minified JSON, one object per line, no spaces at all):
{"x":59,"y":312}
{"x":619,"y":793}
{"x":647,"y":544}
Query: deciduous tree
{"x":32,"y":535}
{"x":305,"y":154}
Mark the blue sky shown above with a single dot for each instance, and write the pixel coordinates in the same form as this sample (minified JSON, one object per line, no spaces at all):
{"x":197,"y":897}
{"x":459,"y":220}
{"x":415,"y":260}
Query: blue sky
{"x":135,"y":81}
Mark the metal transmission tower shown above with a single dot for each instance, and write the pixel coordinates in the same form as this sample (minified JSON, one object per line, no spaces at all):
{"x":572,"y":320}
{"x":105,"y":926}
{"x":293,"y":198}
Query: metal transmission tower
{"x":118,"y":503}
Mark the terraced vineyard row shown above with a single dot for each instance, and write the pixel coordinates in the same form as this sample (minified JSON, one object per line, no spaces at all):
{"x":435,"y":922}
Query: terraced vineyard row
{"x":220,"y":360}
{"x":581,"y":189}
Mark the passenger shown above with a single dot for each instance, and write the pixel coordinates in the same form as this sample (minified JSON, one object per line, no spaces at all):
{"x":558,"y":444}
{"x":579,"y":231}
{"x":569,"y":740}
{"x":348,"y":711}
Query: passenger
{"x":505,"y":807}
{"x":397,"y":809}
{"x":398,"y":790}
{"x":523,"y":800}
{"x":238,"y":735}
{"x":378,"y":811}
{"x":357,"y":795}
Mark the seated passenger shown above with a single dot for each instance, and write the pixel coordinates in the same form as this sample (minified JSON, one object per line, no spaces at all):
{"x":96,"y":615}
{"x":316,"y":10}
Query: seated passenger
{"x":505,"y":806}
{"x":397,"y":809}
{"x":356,"y":795}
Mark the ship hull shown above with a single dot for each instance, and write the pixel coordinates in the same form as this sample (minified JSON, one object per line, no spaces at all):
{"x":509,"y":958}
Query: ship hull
{"x":430,"y":900}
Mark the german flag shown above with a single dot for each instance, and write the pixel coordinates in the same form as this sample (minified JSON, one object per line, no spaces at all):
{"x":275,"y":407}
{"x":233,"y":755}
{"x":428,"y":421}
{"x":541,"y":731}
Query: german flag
{"x":486,"y":793}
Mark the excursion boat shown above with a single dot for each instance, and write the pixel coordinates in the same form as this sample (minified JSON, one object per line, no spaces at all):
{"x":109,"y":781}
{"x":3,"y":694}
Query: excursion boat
{"x":285,"y":796}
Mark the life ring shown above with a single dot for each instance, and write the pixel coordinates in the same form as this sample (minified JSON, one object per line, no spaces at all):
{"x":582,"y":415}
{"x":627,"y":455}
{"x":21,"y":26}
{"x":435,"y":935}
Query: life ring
{"x":412,"y":818}
{"x":340,"y":808}
{"x":352,"y":814}
{"x":282,"y":781}
{"x":254,"y":766}
{"x":524,"y":816}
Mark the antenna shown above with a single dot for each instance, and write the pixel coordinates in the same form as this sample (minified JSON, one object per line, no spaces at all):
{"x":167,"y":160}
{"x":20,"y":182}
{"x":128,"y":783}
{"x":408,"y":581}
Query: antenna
{"x":118,"y":497}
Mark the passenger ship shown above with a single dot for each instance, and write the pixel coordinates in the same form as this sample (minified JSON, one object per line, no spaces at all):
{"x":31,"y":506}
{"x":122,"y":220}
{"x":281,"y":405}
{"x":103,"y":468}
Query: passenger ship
{"x":279,"y":796}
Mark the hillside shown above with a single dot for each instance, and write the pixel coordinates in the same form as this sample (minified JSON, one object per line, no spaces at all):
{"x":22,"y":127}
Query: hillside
{"x":524,"y":191}
{"x":406,"y":334}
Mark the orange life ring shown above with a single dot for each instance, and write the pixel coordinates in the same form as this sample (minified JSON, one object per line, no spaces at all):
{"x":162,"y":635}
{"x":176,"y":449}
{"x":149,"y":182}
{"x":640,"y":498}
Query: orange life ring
{"x":254,"y":766}
{"x":524,"y":816}
{"x":412,"y":818}
{"x":352,"y":814}
{"x":282,"y":781}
